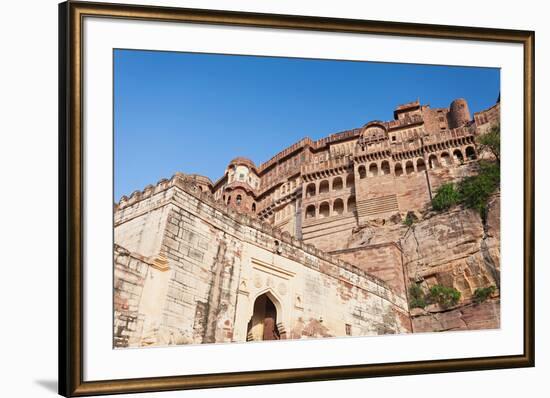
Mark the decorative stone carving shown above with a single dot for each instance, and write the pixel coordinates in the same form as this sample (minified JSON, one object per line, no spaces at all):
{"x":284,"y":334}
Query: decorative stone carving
{"x":258,"y":283}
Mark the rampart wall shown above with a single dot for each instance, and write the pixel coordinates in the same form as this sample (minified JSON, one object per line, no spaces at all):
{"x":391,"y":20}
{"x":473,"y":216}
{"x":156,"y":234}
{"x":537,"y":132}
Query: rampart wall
{"x":215,"y":263}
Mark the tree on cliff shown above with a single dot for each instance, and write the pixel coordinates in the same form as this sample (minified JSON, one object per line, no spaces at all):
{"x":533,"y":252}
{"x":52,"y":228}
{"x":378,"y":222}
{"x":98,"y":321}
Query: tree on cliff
{"x":491,"y":142}
{"x":473,"y":192}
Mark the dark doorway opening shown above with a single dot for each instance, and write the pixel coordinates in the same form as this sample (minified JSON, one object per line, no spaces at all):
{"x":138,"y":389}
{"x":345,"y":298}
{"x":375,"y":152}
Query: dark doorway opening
{"x":263,"y":324}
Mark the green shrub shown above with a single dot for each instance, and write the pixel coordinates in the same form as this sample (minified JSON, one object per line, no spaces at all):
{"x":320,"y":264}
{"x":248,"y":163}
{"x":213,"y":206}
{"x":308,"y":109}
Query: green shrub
{"x":445,"y":296}
{"x":475,"y":191}
{"x":418,"y":303}
{"x":482,"y":293}
{"x":417,"y":297}
{"x":445,"y":198}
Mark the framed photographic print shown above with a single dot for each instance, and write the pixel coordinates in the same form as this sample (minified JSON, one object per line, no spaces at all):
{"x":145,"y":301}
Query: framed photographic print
{"x":251,"y":198}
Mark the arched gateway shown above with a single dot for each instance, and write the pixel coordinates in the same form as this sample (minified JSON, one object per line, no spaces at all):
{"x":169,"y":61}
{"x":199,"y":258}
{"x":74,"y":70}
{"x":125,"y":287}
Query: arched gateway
{"x":263,"y":324}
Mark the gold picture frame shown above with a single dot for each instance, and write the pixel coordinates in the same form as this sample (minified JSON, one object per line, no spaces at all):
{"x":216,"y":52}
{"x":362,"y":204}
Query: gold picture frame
{"x":71,"y":16}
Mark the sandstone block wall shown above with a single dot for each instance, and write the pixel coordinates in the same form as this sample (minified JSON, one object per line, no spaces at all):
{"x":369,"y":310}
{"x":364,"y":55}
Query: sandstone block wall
{"x":382,"y":196}
{"x":382,"y":260}
{"x":219,"y":262}
{"x":140,"y":221}
{"x":130,"y":272}
{"x":330,"y":233}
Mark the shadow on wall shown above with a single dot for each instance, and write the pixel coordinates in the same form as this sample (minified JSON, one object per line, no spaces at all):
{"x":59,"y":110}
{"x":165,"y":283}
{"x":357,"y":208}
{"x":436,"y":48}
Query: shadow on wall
{"x":50,"y":385}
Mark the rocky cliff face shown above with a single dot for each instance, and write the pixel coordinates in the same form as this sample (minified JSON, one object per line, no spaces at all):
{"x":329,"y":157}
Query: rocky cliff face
{"x":453,"y":249}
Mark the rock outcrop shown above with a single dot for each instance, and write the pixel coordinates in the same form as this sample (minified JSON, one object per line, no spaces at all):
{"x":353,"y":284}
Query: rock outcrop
{"x":456,"y":249}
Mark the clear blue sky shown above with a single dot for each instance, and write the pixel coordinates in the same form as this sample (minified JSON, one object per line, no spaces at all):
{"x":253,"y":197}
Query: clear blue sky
{"x":195,"y":112}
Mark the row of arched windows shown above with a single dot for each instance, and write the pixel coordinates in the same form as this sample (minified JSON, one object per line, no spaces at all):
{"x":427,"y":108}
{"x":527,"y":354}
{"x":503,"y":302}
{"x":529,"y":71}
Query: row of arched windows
{"x":373,"y":170}
{"x":417,"y":165}
{"x":339,"y":207}
{"x":324,"y":186}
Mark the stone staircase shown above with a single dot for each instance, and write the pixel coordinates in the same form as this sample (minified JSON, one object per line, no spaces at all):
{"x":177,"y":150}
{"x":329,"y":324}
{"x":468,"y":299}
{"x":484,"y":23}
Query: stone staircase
{"x":374,"y":206}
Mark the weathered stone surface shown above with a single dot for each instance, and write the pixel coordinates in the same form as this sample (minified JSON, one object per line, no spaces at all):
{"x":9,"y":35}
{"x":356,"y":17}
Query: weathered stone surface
{"x":456,"y":249}
{"x":218,"y":265}
{"x":130,"y":272}
{"x":468,"y":317}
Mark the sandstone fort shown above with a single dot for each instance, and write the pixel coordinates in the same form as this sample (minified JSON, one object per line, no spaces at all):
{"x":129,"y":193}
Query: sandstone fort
{"x":312,"y":243}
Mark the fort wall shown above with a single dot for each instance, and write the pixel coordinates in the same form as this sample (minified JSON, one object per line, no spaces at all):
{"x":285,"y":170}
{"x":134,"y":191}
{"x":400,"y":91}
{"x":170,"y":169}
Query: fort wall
{"x":218,"y":262}
{"x":383,"y":260}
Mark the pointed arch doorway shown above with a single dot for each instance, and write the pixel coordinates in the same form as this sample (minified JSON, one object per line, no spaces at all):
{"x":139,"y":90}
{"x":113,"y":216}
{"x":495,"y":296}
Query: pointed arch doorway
{"x":263,"y":324}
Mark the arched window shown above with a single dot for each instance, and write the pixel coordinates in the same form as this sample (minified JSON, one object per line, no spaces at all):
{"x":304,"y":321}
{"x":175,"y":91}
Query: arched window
{"x":310,"y":211}
{"x":409,"y":167}
{"x":398,"y":170}
{"x":337,"y":184}
{"x":362,"y":172}
{"x":373,"y":170}
{"x":338,"y":207}
{"x":239,"y":200}
{"x":229,"y":199}
{"x":432,"y":161}
{"x":253,"y":207}
{"x":323,"y":186}
{"x":310,"y":190}
{"x":457,"y":154}
{"x":324,"y":210}
{"x":445,"y":159}
{"x":420,"y":165}
{"x":350,"y":180}
{"x":471,"y":153}
{"x":351,"y":204}
{"x":385,"y":167}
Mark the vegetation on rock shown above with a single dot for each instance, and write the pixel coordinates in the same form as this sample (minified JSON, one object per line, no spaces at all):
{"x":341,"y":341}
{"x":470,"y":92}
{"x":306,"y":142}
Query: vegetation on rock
{"x":445,"y":296}
{"x":472,"y":192}
{"x":491,"y":142}
{"x":445,"y":198}
{"x":483,"y":293}
{"x":417,"y":298}
{"x":438,"y":294}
